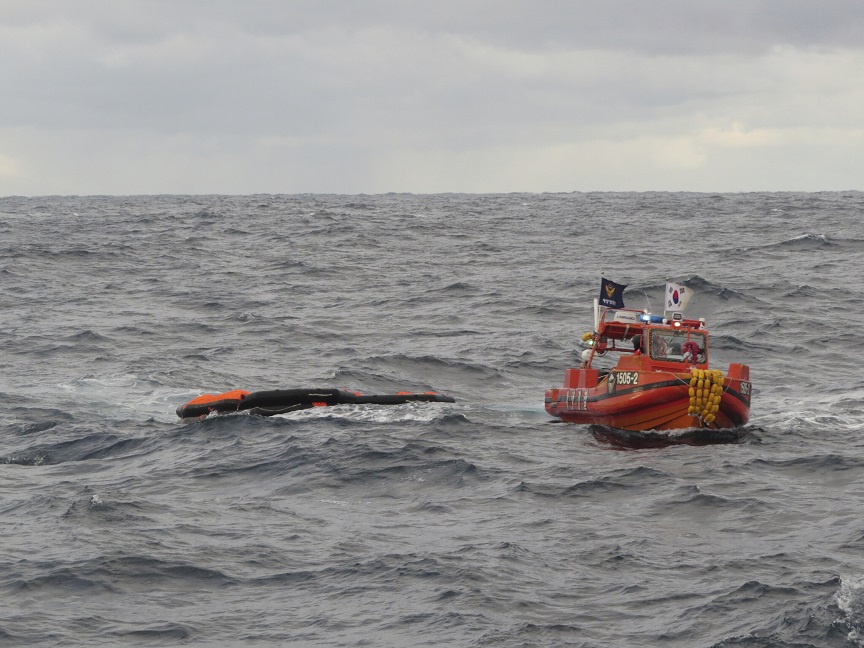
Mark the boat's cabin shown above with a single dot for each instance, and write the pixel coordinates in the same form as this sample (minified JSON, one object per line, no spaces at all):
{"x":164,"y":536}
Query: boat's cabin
{"x":650,"y":341}
{"x":671,"y":345}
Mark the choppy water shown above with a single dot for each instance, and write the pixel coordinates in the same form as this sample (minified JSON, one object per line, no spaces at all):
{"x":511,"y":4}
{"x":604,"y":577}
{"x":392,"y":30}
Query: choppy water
{"x":481,"y":523}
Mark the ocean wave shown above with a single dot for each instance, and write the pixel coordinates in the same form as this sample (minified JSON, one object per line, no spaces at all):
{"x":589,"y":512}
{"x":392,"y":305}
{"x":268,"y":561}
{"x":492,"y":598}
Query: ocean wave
{"x":793,"y":616}
{"x":392,"y":414}
{"x":482,"y":522}
{"x":100,"y":574}
{"x":155,"y":632}
{"x":808,"y":242}
{"x":850,"y":600}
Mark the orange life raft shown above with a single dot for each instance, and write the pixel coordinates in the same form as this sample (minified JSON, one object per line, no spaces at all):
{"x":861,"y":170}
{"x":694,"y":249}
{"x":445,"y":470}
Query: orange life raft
{"x":281,"y":401}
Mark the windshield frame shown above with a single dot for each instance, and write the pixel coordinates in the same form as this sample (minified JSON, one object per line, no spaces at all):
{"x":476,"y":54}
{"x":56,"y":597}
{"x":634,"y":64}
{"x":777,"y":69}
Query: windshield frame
{"x":664,"y":344}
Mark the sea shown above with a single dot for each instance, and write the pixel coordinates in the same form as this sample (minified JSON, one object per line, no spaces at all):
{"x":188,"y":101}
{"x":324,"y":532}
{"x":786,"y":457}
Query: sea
{"x":483,"y":522}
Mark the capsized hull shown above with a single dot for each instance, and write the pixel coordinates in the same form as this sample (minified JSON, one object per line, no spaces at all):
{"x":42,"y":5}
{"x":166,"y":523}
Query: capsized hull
{"x":282,"y":401}
{"x":647,"y":400}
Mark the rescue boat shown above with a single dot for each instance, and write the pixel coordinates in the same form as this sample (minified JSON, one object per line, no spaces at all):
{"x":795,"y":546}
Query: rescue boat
{"x":282,"y":401}
{"x":661,"y":380}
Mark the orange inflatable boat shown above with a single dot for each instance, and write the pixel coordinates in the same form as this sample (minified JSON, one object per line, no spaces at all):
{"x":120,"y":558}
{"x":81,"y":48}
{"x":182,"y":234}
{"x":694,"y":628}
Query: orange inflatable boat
{"x":281,"y":401}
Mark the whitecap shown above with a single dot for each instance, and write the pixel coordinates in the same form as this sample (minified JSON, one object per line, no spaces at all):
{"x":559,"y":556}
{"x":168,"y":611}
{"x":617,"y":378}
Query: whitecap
{"x":850,"y":600}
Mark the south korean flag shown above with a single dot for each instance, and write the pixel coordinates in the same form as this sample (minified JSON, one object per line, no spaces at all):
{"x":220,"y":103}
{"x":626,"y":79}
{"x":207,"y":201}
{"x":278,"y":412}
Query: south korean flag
{"x":677,"y":296}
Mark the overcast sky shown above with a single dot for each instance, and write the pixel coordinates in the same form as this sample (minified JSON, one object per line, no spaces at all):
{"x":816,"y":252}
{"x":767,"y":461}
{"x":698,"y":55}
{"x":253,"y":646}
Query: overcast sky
{"x":371,"y":96}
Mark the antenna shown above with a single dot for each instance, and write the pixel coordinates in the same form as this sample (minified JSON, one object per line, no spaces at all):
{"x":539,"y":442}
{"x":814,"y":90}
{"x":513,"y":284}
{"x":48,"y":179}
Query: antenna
{"x":647,"y":301}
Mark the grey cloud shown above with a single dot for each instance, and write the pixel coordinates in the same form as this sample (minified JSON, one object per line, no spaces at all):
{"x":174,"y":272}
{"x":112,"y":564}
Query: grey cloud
{"x":658,"y":26}
{"x":338,"y":87}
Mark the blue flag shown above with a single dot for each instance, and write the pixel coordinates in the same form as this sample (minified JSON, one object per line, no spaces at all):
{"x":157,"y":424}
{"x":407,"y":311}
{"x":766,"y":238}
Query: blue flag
{"x":611,"y":294}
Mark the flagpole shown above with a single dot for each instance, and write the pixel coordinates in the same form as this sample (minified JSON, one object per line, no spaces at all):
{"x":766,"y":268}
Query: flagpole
{"x":597,"y":306}
{"x":665,"y":296}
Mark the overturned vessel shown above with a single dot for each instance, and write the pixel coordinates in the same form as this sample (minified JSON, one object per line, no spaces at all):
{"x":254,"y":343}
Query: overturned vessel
{"x":282,"y":401}
{"x":661,"y":380}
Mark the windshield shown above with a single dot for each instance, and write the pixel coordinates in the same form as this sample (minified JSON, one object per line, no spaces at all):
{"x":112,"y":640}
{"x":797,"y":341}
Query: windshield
{"x":672,"y":346}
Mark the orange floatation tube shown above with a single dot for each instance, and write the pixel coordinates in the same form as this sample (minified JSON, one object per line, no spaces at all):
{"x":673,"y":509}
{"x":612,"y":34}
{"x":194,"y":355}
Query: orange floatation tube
{"x":282,"y":401}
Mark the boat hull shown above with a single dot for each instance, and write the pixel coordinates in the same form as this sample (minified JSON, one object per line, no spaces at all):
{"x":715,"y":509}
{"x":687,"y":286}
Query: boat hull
{"x":647,"y":400}
{"x":282,"y":401}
